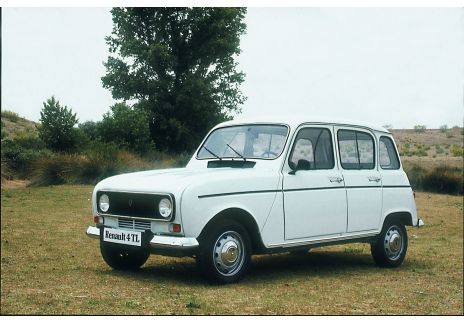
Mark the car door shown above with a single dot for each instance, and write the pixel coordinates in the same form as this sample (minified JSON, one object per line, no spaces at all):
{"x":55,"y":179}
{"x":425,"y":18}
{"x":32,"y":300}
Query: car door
{"x":357,"y":153}
{"x":314,"y":196}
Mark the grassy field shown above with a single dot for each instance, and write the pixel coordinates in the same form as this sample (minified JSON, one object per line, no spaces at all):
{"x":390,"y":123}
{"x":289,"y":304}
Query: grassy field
{"x":49,"y":266}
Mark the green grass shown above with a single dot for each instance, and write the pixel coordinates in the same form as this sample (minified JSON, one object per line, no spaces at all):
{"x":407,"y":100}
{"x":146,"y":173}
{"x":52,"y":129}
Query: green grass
{"x":49,"y":266}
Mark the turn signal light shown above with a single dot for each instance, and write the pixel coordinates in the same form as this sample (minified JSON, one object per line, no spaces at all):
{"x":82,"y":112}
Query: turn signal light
{"x":175,"y":228}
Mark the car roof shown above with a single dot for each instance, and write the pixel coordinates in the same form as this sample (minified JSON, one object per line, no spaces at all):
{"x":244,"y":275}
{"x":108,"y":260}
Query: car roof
{"x":294,"y":121}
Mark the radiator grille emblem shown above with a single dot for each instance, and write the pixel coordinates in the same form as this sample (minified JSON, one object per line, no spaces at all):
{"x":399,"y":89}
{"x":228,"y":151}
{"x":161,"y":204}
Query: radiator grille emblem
{"x":130,"y":202}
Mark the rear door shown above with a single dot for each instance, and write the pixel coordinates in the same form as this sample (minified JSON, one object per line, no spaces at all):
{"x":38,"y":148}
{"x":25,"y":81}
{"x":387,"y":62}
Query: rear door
{"x":357,"y":153}
{"x":314,"y":198}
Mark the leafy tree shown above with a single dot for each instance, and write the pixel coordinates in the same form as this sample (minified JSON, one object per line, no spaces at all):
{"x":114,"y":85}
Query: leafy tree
{"x":90,"y":129}
{"x":179,"y":65}
{"x":126,"y":127}
{"x":57,"y":126}
{"x":443,"y":128}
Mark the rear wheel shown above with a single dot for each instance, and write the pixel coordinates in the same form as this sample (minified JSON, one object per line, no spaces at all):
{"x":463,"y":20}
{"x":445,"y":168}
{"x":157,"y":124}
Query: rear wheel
{"x":123,"y":258}
{"x":391,"y":245}
{"x":225,"y":252}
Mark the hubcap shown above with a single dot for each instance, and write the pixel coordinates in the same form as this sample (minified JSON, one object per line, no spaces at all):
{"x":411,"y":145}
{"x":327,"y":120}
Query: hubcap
{"x":393,"y":243}
{"x":228,"y":253}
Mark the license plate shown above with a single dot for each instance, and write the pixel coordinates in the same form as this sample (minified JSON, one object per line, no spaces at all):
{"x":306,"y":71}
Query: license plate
{"x":122,"y":237}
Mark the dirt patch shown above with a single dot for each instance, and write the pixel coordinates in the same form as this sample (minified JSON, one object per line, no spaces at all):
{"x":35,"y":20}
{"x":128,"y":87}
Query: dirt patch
{"x":14,"y":184}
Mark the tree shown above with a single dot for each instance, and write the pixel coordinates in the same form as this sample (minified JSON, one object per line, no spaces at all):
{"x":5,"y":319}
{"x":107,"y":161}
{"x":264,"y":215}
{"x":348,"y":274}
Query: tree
{"x":443,"y":128}
{"x":57,"y":126}
{"x":179,"y":65}
{"x":420,"y":128}
{"x":127,"y":128}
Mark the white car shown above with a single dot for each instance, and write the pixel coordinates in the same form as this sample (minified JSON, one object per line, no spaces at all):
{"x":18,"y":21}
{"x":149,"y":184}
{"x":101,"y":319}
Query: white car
{"x":261,"y":186}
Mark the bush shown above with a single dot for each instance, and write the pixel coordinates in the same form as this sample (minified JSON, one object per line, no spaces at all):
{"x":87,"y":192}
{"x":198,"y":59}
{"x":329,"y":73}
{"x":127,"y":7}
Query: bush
{"x":440,"y":179}
{"x":90,"y":129}
{"x":456,"y":150}
{"x":443,"y":128}
{"x":128,"y":128}
{"x":19,"y":154}
{"x":444,"y":179}
{"x":102,"y":161}
{"x":439,"y":149}
{"x":10,"y":115}
{"x":420,"y":128}
{"x":57,"y":126}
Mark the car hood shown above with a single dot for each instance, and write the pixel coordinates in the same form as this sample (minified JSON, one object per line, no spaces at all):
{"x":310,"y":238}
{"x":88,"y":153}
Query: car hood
{"x":164,"y":181}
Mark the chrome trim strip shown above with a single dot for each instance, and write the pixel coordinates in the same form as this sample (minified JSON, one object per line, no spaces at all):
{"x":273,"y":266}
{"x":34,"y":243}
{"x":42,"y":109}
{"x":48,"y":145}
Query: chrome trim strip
{"x":158,"y":241}
{"x":340,"y":238}
{"x":134,"y":217}
{"x":173,"y":242}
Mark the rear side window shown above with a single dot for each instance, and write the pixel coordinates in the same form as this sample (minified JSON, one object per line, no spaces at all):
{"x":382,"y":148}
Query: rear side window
{"x":312,"y":150}
{"x":356,"y":150}
{"x":388,"y":157}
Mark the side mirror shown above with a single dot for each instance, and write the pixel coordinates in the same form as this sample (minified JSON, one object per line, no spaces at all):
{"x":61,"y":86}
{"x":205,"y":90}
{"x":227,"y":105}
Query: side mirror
{"x":301,"y":165}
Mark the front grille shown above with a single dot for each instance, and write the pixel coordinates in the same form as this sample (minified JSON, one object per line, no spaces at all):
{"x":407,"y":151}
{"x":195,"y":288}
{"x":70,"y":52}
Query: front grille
{"x":134,"y":224}
{"x":134,"y":204}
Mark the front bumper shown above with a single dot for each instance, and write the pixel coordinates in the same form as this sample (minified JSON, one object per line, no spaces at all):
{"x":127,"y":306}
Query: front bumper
{"x":158,"y":241}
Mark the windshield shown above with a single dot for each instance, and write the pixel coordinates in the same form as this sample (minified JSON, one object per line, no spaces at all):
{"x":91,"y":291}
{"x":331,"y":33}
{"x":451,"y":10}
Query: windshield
{"x":248,"y":141}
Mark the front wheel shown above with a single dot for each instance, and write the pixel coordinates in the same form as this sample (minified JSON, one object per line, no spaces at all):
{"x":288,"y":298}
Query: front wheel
{"x":225,"y":252}
{"x":391,"y":245}
{"x":123,"y":258}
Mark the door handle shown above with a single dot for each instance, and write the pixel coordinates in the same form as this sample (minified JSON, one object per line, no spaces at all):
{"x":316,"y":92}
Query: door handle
{"x":335,"y":179}
{"x":376,"y":179}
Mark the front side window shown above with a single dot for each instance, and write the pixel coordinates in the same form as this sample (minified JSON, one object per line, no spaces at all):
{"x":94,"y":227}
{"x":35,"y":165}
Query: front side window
{"x":356,"y":150}
{"x":249,"y":141}
{"x":312,"y":150}
{"x":388,"y":157}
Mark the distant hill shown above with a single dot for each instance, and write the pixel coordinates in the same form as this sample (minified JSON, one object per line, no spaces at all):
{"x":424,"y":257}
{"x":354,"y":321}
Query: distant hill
{"x":13,"y":124}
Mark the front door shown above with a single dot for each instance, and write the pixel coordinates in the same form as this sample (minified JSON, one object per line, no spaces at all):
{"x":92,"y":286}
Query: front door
{"x":314,"y":196}
{"x":362,"y":179}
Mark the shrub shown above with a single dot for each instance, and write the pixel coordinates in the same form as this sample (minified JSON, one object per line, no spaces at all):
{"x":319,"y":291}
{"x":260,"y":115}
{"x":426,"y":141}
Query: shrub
{"x":420,"y":128}
{"x":10,"y":115}
{"x":444,"y":179}
{"x":20,"y":153}
{"x":440,"y":179}
{"x":456,"y":150}
{"x":420,"y":151}
{"x":128,"y":128}
{"x":439,"y":149}
{"x":57,"y":126}
{"x":91,"y":130}
{"x":443,"y":128}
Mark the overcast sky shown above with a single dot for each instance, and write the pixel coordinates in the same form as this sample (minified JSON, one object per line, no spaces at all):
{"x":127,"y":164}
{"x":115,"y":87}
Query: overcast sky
{"x":386,"y":66}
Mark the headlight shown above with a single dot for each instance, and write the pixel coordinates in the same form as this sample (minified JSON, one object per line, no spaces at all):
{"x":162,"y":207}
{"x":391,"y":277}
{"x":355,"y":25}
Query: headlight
{"x":165,"y":208}
{"x":104,"y":203}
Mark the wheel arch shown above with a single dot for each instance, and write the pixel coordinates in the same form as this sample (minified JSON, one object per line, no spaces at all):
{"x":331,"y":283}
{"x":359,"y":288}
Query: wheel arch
{"x":403,"y":217}
{"x":242,"y":217}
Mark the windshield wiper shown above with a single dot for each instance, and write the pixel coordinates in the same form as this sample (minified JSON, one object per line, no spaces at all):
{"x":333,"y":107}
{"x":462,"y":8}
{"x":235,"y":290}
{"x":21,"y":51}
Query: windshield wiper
{"x":244,"y":159}
{"x":212,"y":153}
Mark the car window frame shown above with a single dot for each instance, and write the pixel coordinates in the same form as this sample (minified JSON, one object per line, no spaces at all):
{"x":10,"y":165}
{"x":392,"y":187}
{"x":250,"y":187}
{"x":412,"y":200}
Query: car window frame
{"x":295,"y":139}
{"x":356,"y":131}
{"x":396,"y":153}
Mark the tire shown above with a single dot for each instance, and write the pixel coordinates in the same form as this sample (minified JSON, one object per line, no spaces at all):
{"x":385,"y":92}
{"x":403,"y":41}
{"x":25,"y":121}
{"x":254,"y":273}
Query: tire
{"x":123,"y":258}
{"x":225,"y":252}
{"x":391,"y":245}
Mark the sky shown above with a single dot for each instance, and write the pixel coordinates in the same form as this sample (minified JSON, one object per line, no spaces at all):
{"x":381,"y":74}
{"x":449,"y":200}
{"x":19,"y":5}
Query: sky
{"x":400,"y":67}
